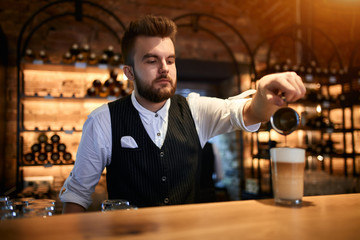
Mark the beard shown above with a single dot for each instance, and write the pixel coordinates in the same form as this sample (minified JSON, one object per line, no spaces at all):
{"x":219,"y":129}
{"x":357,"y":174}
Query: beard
{"x":152,"y":94}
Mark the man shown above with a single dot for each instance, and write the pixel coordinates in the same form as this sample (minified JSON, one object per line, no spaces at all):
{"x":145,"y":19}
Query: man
{"x":150,"y":142}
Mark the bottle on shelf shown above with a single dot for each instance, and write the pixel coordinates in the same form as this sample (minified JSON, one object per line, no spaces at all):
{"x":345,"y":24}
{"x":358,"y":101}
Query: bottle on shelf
{"x":116,"y":60}
{"x":29,"y":158}
{"x":55,"y":138}
{"x":103,"y":59}
{"x":67,"y":157}
{"x":109,"y":51}
{"x":104,"y":91}
{"x":80,"y":58}
{"x":67,"y":58}
{"x":92,"y":59}
{"x":115,"y":91}
{"x":36,"y":147}
{"x":49,"y":147}
{"x":43,"y":138}
{"x":29,"y":55}
{"x":55,"y":157}
{"x":91,"y":92}
{"x":42,"y":157}
{"x":110,"y":83}
{"x":85,"y":51}
{"x":43,"y":56}
{"x":61,"y":147}
{"x":74,"y":50}
{"x":114,"y":74}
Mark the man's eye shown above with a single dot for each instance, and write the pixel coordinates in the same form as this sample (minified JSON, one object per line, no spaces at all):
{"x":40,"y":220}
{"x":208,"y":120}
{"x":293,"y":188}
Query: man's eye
{"x":151,"y":61}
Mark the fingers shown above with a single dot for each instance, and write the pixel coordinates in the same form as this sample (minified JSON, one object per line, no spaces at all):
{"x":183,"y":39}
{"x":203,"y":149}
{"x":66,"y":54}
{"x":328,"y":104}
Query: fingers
{"x":287,"y":84}
{"x":295,"y":89}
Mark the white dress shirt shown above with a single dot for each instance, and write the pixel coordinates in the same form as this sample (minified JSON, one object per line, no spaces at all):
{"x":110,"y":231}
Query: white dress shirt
{"x":212,"y":116}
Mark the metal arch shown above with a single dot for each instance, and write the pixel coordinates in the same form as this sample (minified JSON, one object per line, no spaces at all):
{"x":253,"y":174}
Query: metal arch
{"x":40,"y":10}
{"x":27,"y":39}
{"x":353,"y":54}
{"x":289,"y":30}
{"x":277,"y":37}
{"x":231,"y":27}
{"x":304,"y":27}
{"x":228,"y":49}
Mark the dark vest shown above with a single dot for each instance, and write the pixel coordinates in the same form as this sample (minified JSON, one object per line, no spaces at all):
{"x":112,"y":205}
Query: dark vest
{"x":149,"y":176}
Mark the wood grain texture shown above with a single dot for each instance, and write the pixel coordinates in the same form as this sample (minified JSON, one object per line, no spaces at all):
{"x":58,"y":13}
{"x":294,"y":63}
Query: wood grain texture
{"x":320,"y":217}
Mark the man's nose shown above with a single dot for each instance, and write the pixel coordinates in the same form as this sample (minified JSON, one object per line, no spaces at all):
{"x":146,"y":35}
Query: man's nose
{"x":164,"y":68}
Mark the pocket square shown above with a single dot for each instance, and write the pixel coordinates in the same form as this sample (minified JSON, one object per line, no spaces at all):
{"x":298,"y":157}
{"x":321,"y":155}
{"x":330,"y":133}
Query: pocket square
{"x":128,"y":142}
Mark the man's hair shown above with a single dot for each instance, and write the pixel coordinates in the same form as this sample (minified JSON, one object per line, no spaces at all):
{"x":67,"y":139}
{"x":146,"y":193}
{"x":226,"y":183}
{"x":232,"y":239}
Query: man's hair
{"x":148,"y":26}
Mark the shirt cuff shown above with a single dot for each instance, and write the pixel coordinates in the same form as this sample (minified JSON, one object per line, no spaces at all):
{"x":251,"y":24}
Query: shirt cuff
{"x":237,"y":104}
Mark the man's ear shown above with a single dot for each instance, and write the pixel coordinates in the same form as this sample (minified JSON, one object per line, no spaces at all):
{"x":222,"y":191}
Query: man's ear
{"x":128,"y":71}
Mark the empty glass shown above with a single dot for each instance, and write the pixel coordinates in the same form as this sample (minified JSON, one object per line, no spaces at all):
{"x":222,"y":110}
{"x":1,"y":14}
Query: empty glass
{"x":116,"y":204}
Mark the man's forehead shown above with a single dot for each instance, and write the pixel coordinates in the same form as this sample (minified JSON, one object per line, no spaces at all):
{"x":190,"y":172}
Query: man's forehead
{"x":145,"y":44}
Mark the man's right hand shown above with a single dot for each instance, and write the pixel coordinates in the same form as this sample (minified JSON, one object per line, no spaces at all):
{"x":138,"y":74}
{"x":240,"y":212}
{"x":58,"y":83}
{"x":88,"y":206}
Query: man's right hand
{"x":69,"y":207}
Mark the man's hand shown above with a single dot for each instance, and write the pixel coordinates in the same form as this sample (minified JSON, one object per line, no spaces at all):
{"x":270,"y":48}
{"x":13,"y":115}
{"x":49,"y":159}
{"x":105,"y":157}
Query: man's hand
{"x":69,"y":207}
{"x":269,"y":96}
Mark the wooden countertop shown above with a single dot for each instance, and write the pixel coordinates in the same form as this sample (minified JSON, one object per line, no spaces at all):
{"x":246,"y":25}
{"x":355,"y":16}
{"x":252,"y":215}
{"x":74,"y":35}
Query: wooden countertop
{"x":320,"y":217}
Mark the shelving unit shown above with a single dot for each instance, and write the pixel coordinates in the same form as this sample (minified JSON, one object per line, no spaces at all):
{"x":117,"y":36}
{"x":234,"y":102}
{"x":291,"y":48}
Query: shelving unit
{"x":331,"y":144}
{"x":52,"y":95}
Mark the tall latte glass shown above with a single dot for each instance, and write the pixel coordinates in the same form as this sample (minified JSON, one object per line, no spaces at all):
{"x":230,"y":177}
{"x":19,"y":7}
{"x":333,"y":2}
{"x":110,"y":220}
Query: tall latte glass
{"x":287,"y":166}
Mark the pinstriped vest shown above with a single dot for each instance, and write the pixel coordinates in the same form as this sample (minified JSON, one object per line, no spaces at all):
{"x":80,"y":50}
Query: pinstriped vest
{"x":149,"y":176}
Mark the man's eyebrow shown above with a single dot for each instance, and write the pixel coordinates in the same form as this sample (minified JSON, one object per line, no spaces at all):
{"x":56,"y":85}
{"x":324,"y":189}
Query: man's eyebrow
{"x":150,"y":55}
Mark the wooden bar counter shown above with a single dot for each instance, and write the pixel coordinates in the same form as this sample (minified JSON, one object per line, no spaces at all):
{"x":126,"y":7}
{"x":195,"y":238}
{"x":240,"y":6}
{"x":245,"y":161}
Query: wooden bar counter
{"x":320,"y":217}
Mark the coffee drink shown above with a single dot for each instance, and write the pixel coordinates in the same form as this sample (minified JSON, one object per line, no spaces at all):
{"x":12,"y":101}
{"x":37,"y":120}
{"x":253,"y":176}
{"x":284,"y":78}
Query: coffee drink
{"x":287,"y":166}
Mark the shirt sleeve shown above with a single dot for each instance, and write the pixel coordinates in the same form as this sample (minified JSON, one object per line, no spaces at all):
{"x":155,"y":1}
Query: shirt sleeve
{"x":93,"y":155}
{"x":215,"y":116}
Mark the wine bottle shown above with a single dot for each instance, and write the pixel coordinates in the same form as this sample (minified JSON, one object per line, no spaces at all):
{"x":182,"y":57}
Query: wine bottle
{"x":103,"y":91}
{"x":36,"y":148}
{"x":74,"y":50}
{"x":85,"y":50}
{"x":67,"y":58}
{"x":116,"y":60}
{"x":96,"y":83}
{"x":55,"y":138}
{"x":43,"y":56}
{"x":110,"y":83}
{"x":55,"y":156}
{"x":29,"y":55}
{"x":67,"y":156}
{"x":61,"y":147}
{"x":49,"y":147}
{"x":114,"y":74}
{"x":29,"y":157}
{"x":104,"y":59}
{"x":42,"y":157}
{"x":80,"y":58}
{"x":115,"y":91}
{"x":91,"y":92}
{"x":109,"y":51}
{"x":42,"y":138}
{"x":92,"y":59}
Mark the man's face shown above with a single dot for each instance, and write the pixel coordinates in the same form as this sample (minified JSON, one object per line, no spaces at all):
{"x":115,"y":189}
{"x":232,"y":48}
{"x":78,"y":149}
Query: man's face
{"x":154,"y":68}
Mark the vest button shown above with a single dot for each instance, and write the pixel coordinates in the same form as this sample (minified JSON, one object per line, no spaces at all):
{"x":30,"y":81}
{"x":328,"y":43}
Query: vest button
{"x":166,"y":200}
{"x":163,"y":178}
{"x":162,"y":154}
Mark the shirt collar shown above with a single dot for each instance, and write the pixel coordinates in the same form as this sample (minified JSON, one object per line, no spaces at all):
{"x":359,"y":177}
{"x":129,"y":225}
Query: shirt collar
{"x":148,"y":116}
